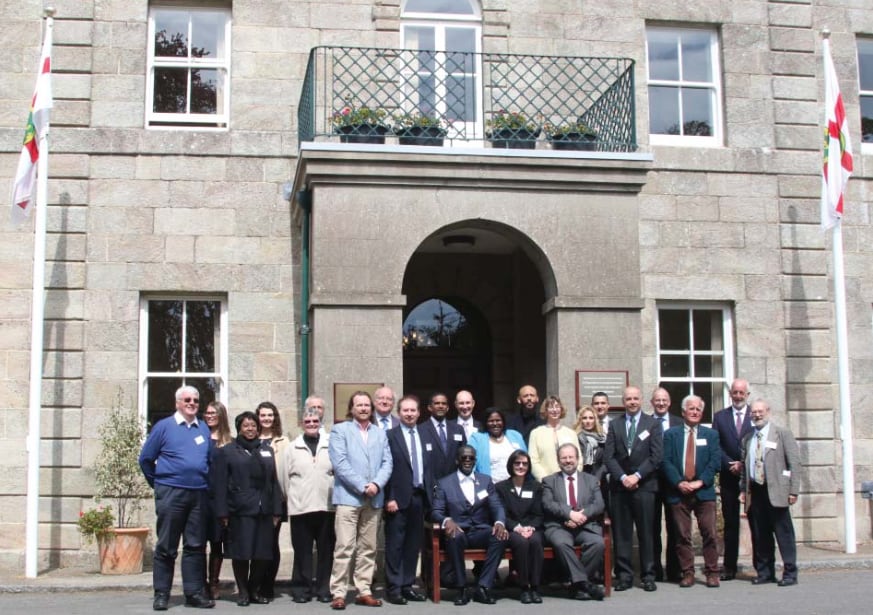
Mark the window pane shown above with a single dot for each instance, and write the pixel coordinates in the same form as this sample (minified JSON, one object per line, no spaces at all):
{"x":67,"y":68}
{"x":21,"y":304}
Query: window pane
{"x":460,"y":39}
{"x":171,"y":34}
{"x":696,"y":60}
{"x":697,"y":111}
{"x":867,"y":119}
{"x":707,"y":330}
{"x":454,"y":7}
{"x":663,"y":55}
{"x":171,"y":90}
{"x":675,"y":366}
{"x":165,"y":336}
{"x":677,"y":391}
{"x":205,"y":85}
{"x":663,"y":110}
{"x":208,"y":388}
{"x":426,"y":95}
{"x":673,"y":329}
{"x":162,"y":398}
{"x":419,"y":37}
{"x":865,"y":64}
{"x":461,"y":99}
{"x":207,"y":35}
{"x":711,"y":393}
{"x":203,"y":333}
{"x":703,"y":366}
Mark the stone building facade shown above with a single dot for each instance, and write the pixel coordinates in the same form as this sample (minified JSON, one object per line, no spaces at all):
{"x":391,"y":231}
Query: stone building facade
{"x":597,"y":261}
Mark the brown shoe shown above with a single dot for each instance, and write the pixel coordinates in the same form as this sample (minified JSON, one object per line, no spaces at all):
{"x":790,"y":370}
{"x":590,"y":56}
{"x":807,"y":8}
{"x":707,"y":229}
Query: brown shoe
{"x":368,"y":600}
{"x":712,"y":580}
{"x":687,"y":579}
{"x":338,"y":604}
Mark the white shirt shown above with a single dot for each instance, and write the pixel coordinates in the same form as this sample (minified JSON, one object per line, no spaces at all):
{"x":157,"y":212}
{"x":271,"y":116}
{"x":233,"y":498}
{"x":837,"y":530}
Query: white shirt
{"x":575,"y":488}
{"x":468,"y":486}
{"x":467,"y":426}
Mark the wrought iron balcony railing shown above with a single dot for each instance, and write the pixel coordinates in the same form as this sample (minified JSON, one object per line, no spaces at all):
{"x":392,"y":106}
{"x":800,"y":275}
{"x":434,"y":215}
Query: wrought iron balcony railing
{"x":426,"y":97}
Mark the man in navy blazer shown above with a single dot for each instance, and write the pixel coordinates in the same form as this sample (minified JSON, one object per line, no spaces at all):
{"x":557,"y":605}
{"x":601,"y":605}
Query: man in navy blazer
{"x":692,"y":456}
{"x":634,"y":445}
{"x":405,"y":504}
{"x":441,"y":451}
{"x":730,"y":437}
{"x":661,"y":412}
{"x":470,"y":512}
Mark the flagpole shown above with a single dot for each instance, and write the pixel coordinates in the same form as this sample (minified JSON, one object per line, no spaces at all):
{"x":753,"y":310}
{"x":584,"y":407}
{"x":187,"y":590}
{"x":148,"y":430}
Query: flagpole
{"x":36,"y":346}
{"x":838,"y":168}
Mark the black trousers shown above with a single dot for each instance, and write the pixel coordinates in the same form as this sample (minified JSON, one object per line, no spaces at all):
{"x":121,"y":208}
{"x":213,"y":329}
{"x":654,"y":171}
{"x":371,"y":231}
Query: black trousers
{"x":404,"y":536}
{"x":308,"y":529}
{"x":527,"y":555}
{"x":478,"y":538}
{"x":768,"y":521}
{"x":729,"y":485}
{"x":179,"y":515}
{"x":629,"y":509}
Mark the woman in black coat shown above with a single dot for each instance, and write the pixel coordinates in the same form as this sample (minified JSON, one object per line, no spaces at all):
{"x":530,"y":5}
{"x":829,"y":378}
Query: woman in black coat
{"x":522,"y":498}
{"x":248,"y":502}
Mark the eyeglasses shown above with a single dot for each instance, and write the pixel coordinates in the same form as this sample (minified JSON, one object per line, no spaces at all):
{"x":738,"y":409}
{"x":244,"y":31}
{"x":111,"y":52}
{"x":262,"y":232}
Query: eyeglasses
{"x":520,"y":463}
{"x":314,"y":422}
{"x":468,"y":458}
{"x":190,"y":400}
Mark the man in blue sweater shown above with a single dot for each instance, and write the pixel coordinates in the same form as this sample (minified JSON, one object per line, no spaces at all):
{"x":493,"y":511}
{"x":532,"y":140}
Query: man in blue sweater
{"x":175,"y":461}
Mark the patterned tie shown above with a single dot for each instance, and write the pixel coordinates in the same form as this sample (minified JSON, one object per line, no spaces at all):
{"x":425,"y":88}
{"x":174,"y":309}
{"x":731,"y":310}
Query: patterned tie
{"x":631,"y":432}
{"x":739,"y":422}
{"x":690,"y":449}
{"x":443,"y":441}
{"x":413,"y":450}
{"x":759,"y":458}
{"x":572,"y":491}
{"x":385,"y":423}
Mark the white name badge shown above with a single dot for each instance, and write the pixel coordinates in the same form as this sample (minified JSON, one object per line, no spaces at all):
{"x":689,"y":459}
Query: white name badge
{"x":265,"y":454}
{"x":428,"y":447}
{"x":199,"y":440}
{"x":786,"y":473}
{"x":482,"y":494}
{"x":458,"y":437}
{"x":643,"y":435}
{"x":526,"y":495}
{"x":769,"y":444}
{"x":700,"y":441}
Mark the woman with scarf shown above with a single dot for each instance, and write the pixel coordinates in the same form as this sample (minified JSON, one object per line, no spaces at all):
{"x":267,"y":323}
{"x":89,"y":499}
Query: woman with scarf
{"x":248,"y":502}
{"x":591,"y":442}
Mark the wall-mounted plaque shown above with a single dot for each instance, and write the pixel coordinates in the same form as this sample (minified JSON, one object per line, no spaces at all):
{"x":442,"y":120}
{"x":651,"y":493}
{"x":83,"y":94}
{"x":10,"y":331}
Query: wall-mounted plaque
{"x":609,"y":381}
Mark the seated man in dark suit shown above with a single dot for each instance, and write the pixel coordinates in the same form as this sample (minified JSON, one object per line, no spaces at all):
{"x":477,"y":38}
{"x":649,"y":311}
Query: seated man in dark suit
{"x":571,"y":501}
{"x":470,"y":512}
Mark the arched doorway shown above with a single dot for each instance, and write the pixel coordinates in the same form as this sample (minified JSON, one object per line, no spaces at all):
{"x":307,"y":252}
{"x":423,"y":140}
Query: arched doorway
{"x":483,"y":273}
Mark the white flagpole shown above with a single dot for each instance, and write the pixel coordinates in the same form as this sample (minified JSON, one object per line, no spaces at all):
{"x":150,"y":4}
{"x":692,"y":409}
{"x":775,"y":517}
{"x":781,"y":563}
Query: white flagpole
{"x":834,"y":158}
{"x":36,"y":346}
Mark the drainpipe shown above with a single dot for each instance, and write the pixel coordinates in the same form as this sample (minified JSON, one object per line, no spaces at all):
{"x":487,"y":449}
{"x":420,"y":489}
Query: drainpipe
{"x":304,"y":200}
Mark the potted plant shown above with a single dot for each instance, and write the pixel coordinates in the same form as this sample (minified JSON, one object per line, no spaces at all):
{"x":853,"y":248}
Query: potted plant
{"x":360,"y":124}
{"x":419,"y":129}
{"x":118,"y":478}
{"x":511,"y":129}
{"x":571,"y":136}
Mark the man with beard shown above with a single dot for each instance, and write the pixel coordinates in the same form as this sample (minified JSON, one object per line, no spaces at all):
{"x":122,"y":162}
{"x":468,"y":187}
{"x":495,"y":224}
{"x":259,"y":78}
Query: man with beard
{"x":470,"y":513}
{"x":528,"y":417}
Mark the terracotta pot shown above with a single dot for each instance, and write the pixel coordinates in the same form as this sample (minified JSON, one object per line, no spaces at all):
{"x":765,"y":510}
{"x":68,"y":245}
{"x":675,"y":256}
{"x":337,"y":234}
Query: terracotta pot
{"x":122,"y":552}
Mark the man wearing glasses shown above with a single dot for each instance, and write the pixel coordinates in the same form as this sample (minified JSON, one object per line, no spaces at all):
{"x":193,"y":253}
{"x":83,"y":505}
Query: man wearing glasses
{"x":175,"y":461}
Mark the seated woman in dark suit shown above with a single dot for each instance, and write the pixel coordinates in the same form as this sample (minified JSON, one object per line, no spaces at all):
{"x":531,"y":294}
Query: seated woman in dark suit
{"x":522,"y":498}
{"x":248,"y":502}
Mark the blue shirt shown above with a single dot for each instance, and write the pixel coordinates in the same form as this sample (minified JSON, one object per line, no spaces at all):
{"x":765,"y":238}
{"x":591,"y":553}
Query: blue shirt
{"x":176,"y":454}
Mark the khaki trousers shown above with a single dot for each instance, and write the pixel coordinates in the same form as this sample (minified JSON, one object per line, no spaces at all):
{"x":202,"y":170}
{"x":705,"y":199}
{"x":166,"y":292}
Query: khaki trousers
{"x":356,"y":529}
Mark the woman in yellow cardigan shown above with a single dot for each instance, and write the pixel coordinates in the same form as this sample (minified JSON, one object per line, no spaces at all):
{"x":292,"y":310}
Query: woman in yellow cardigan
{"x":545,"y":439}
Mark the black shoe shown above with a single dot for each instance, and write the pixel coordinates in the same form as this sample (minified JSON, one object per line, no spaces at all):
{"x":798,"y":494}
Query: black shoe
{"x":728,"y":575}
{"x":395,"y":599}
{"x":199,"y":601}
{"x":413,"y":596}
{"x":659,"y":577}
{"x":325,"y":599}
{"x":525,"y":598}
{"x":162,"y":601}
{"x":300,"y":598}
{"x":787,"y":582}
{"x":595,"y":591}
{"x":535,"y":596}
{"x":622,"y":586}
{"x":762,"y":580}
{"x":649,"y":586}
{"x":581,"y":594}
{"x":483,"y":596}
{"x":260,"y":600}
{"x":243,"y":601}
{"x":463,"y":597}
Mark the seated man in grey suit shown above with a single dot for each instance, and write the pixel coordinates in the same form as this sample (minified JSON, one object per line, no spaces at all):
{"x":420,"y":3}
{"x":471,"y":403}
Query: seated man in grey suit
{"x":469,"y":510}
{"x":571,"y":500}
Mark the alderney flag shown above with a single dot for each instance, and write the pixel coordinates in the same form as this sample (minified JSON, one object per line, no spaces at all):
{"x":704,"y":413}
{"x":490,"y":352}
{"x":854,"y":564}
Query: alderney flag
{"x":24,"y":189}
{"x":837,"y":161}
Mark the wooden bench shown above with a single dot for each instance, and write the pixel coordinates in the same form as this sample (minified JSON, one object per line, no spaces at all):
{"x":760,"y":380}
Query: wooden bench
{"x":432,"y":555}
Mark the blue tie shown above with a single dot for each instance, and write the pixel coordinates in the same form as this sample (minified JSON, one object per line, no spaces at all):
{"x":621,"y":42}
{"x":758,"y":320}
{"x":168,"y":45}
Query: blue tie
{"x":413,"y":449}
{"x":443,"y":441}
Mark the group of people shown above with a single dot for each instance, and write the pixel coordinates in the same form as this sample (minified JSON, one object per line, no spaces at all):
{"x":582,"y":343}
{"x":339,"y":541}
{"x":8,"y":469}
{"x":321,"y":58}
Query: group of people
{"x":522,"y":480}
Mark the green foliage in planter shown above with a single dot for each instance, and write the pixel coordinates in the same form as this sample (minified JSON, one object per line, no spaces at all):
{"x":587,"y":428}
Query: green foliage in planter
{"x":96,"y":523}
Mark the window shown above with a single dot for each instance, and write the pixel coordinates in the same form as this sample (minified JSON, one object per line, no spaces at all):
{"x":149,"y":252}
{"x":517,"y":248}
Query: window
{"x":865,"y":76}
{"x":445,"y":75}
{"x":684,"y":86}
{"x":695,"y":353}
{"x":188,"y":67}
{"x":182,"y":341}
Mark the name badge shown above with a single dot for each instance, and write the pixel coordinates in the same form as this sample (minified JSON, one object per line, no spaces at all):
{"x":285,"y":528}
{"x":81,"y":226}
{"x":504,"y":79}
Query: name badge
{"x":643,"y":435}
{"x":526,"y":495}
{"x":428,"y":446}
{"x":266,"y":454}
{"x":769,"y":444}
{"x":482,"y":494}
{"x":199,"y":440}
{"x":786,"y":473}
{"x":458,"y":437}
{"x":700,"y":441}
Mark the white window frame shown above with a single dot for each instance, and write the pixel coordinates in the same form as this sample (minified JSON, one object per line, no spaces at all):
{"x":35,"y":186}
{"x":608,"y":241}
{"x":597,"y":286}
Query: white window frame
{"x":440,"y":23}
{"x":220,"y":374}
{"x":866,"y":148}
{"x":188,"y":121}
{"x":717,"y":138}
{"x":727,"y":354}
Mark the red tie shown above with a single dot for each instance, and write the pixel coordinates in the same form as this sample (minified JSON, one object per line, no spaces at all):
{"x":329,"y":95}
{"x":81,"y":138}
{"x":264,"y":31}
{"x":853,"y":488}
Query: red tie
{"x":572,"y":492}
{"x":690,"y":449}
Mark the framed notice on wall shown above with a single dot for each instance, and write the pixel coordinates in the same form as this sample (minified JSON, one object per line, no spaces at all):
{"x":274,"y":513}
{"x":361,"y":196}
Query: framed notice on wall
{"x":342,"y":392}
{"x":609,"y":381}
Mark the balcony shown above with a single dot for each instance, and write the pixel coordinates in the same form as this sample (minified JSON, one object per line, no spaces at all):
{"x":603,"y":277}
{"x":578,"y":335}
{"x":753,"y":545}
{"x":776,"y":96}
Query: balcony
{"x":461,"y":99}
